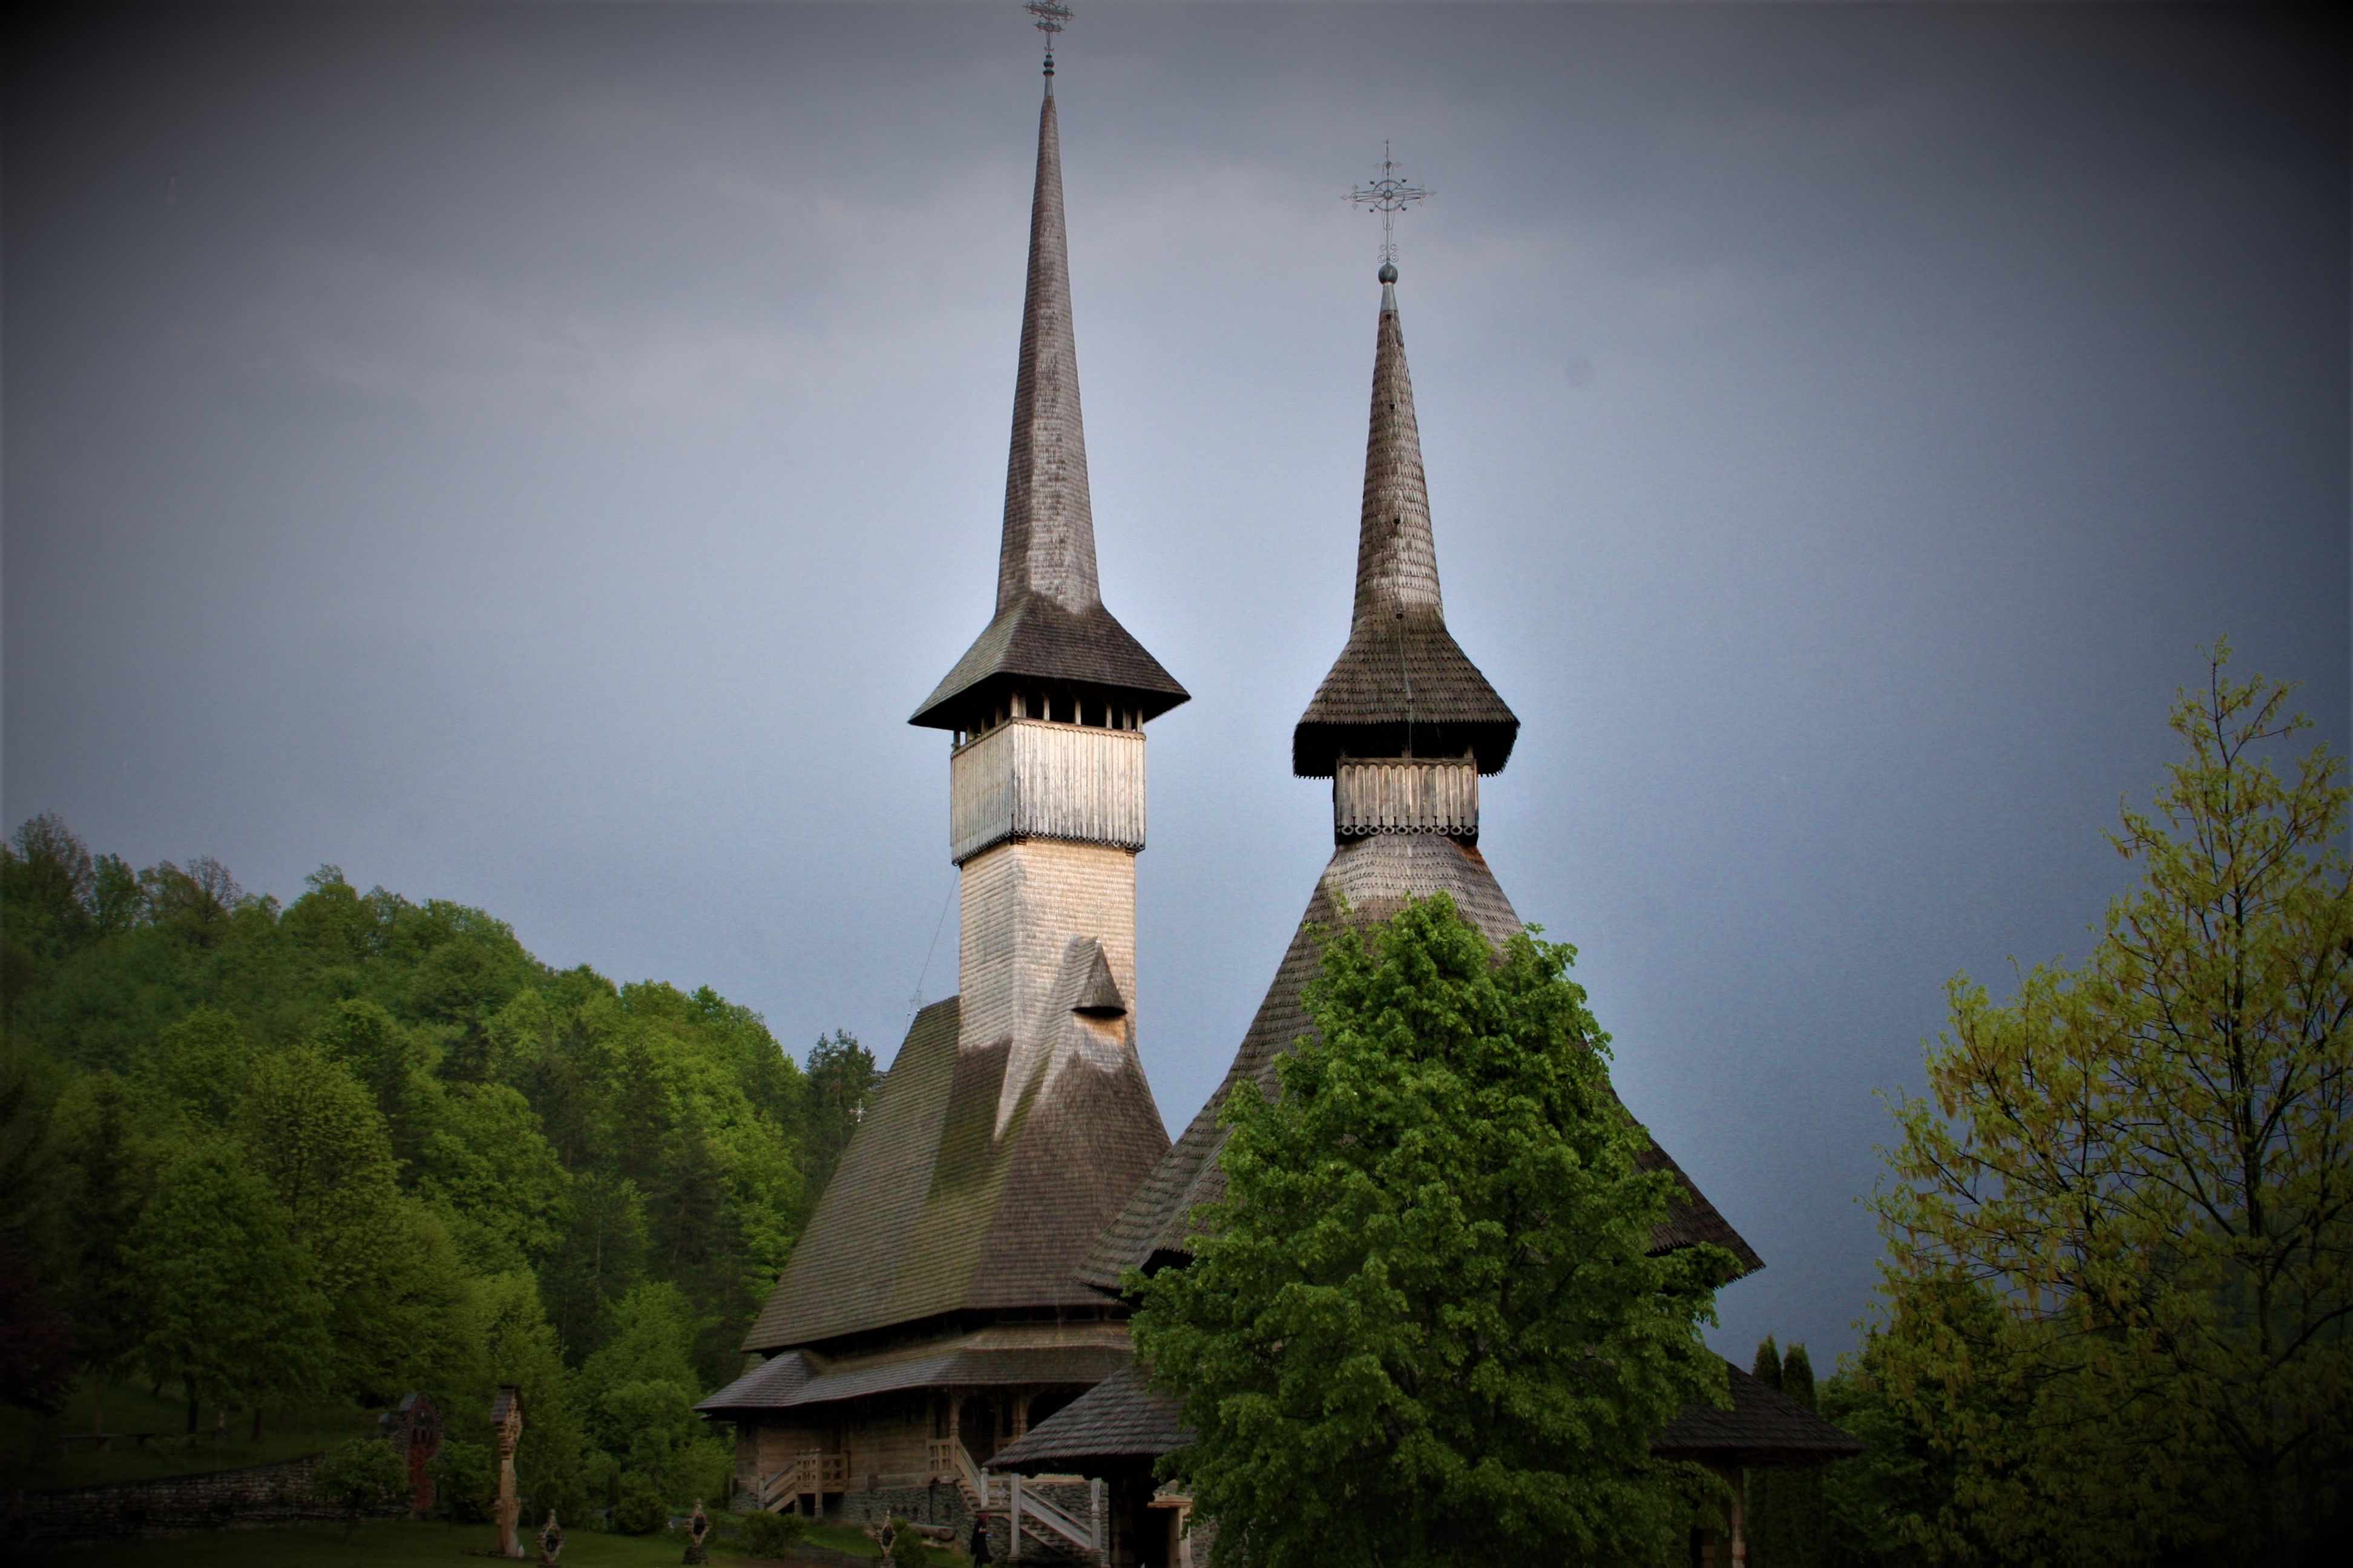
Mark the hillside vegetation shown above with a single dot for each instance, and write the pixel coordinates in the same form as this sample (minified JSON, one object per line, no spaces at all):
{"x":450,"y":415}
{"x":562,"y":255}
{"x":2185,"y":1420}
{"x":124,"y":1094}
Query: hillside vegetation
{"x":259,"y":1157}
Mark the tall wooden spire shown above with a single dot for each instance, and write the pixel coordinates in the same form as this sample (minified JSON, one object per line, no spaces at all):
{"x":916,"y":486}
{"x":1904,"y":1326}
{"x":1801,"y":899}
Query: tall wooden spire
{"x":1049,"y":525}
{"x":1403,"y":726}
{"x":1051,"y":637}
{"x":1401,"y":687}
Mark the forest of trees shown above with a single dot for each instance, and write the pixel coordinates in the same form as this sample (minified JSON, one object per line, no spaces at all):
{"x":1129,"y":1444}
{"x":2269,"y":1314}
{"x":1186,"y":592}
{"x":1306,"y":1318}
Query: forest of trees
{"x":354,"y":1146}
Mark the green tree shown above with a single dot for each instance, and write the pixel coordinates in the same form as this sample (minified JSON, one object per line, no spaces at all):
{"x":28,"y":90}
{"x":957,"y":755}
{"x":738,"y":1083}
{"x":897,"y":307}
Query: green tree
{"x":231,"y":1309}
{"x":2119,"y":1269}
{"x":639,"y":1389}
{"x":318,"y":1139}
{"x":1785,"y":1505}
{"x":37,"y":1344}
{"x":518,"y":1347}
{"x":401,"y":1321}
{"x":1425,"y":1326}
{"x":840,"y":1074}
{"x":113,"y":1176}
{"x":494,"y":1180}
{"x":601,"y":1258}
{"x":200,"y":1067}
{"x":394,"y":1065}
{"x":362,"y":1474}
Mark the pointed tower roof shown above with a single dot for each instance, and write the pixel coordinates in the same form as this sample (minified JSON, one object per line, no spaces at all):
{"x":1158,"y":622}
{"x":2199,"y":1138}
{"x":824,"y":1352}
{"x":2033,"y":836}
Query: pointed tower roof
{"x":1051,"y":625}
{"x":1401,"y":686}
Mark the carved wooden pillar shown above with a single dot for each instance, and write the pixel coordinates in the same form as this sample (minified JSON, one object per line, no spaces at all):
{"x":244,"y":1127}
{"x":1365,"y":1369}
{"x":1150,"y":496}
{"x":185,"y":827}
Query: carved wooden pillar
{"x":506,"y":1427}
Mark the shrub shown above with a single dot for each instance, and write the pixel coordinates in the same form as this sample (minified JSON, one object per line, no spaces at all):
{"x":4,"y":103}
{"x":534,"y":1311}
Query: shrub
{"x":362,"y":1474}
{"x":640,"y":1513}
{"x":906,"y":1546}
{"x":466,"y":1477}
{"x":767,"y":1534}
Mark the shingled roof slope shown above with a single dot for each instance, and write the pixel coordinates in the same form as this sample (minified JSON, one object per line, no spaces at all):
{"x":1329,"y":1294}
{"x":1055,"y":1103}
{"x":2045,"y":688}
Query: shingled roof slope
{"x":1119,"y":1417}
{"x":798,"y":1386}
{"x":933,"y":1210}
{"x":1366,"y":881}
{"x":1401,"y":686}
{"x":1037,"y":639}
{"x":1764,"y":1426}
{"x":1049,"y":623}
{"x":1123,"y":1417}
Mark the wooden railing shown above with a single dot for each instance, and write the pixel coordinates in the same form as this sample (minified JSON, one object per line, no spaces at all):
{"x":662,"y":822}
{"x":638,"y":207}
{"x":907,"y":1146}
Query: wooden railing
{"x":809,"y":1474}
{"x":1049,"y":1526}
{"x":952,"y":1462}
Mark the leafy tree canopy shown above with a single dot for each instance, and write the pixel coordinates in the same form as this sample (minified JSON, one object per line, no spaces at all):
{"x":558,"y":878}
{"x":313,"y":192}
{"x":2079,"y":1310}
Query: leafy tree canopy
{"x":1426,"y":1326}
{"x":2119,"y":1277}
{"x":355,"y":1146}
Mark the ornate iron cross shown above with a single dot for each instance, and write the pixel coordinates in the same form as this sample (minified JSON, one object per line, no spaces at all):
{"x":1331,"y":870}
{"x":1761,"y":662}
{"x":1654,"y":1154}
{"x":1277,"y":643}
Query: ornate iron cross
{"x":1388,"y":195}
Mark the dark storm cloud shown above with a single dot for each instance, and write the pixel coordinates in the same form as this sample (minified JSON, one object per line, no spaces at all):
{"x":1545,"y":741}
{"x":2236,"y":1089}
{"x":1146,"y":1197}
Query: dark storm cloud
{"x":537,"y":456}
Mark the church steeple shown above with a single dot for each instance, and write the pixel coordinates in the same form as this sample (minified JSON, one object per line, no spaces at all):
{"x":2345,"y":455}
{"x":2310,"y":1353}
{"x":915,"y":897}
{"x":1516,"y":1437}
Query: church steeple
{"x":1049,"y":527}
{"x":1401,"y":687}
{"x":1050,"y":641}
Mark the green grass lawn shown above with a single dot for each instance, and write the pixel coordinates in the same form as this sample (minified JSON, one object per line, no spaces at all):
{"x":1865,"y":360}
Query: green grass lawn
{"x":383,"y":1543}
{"x":29,"y":1454}
{"x":395,"y":1543}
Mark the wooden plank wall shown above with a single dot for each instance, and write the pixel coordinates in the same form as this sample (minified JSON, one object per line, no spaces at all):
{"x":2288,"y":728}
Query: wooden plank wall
{"x":1031,"y":779}
{"x":1411,"y":794}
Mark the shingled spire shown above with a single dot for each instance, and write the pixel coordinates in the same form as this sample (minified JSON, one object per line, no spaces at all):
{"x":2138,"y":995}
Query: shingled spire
{"x":1403,"y":726}
{"x":1050,"y":632}
{"x":932,"y":1295}
{"x":1400,"y":687}
{"x":1049,"y":525}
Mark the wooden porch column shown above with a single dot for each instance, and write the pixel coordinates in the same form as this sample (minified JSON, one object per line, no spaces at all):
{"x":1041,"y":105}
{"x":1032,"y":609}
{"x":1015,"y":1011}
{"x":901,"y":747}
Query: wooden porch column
{"x":1013,"y":1513}
{"x":1737,"y":1478}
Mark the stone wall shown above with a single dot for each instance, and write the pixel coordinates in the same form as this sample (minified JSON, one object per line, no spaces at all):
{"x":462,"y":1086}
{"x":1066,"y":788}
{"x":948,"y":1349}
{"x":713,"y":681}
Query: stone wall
{"x":257,"y":1497}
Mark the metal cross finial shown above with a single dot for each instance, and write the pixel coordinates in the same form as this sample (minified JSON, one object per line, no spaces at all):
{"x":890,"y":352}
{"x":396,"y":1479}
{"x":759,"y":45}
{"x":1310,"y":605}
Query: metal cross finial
{"x":1052,"y":16}
{"x":1388,"y":195}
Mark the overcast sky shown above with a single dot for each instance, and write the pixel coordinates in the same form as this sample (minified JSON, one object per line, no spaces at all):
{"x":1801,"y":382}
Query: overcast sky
{"x":538,"y":457}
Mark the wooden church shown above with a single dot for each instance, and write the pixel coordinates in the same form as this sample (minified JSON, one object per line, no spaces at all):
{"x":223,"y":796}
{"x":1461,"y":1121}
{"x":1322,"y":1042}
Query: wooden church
{"x":933,"y":1309}
{"x":951,"y":1321}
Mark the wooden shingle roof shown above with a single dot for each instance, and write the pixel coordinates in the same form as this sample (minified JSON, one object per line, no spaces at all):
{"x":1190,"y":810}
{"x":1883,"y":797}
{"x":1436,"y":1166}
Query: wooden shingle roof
{"x":1123,"y":1418}
{"x":1401,"y":686}
{"x":933,"y":1210}
{"x":1050,"y":624}
{"x":1764,"y":1426}
{"x":1118,"y":1418}
{"x":792,"y":1381}
{"x":1366,"y":881}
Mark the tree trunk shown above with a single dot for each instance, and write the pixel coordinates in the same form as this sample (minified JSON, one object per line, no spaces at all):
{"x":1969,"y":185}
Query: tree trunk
{"x":98,"y":1411}
{"x":257,"y":1421}
{"x":192,"y":1407}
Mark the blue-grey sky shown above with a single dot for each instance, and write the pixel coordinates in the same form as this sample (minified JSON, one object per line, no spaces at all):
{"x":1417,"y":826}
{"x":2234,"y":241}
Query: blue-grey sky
{"x":538,"y":456}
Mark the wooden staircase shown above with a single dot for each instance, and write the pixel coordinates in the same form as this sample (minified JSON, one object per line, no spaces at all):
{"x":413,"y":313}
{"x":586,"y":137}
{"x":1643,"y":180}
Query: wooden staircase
{"x":809,"y":1474}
